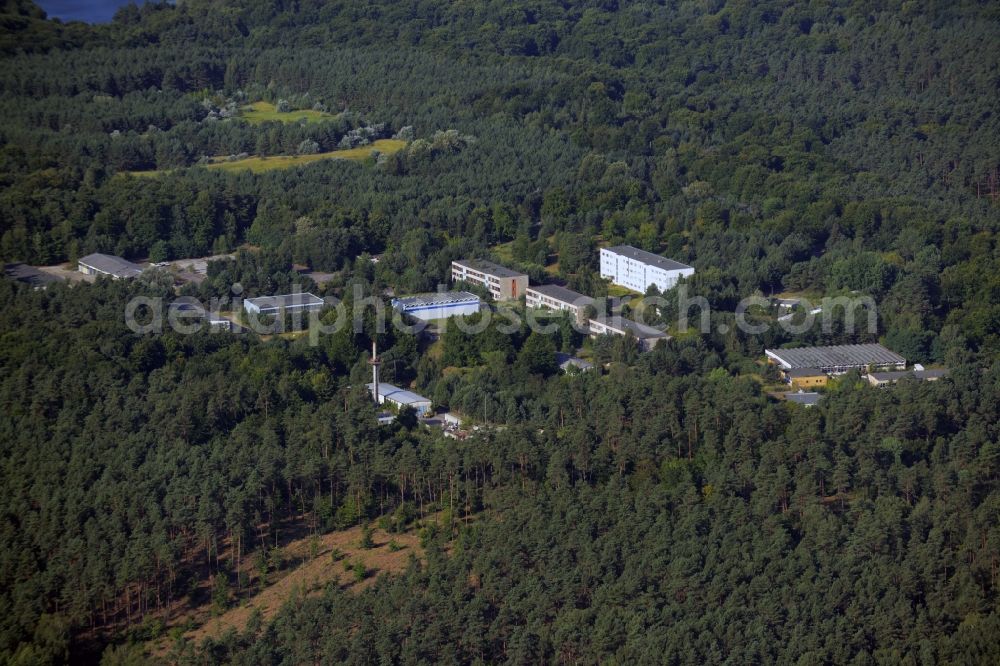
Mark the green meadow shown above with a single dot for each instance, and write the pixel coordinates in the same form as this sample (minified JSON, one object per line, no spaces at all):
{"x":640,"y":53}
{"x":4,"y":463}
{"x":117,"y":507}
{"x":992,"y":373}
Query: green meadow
{"x":262,"y":112}
{"x":261,"y":164}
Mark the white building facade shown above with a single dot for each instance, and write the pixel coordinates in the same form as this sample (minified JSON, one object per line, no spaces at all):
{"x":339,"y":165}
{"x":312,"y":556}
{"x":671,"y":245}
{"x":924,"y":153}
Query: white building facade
{"x":108,"y":264}
{"x":636,"y":269}
{"x":273,"y":305}
{"x":399,"y":398}
{"x":427,"y":307}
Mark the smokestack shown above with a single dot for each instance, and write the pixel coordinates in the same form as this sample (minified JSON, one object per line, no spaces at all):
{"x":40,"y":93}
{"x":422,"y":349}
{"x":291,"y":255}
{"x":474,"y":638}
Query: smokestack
{"x":375,"y":363}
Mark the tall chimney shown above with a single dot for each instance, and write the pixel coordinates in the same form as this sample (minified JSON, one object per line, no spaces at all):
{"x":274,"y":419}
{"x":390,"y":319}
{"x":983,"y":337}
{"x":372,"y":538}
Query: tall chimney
{"x":375,"y":362}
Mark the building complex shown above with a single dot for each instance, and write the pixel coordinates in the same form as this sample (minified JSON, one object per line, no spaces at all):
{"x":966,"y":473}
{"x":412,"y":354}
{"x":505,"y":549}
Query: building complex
{"x":504,"y":283}
{"x":636,"y":269}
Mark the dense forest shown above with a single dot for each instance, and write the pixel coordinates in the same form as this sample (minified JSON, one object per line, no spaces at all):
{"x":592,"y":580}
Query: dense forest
{"x":660,"y":509}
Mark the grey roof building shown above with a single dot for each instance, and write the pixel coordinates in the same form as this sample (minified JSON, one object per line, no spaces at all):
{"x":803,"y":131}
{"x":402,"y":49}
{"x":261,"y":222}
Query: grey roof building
{"x":387,"y":393}
{"x":108,"y":264}
{"x":803,"y":398}
{"x":647,"y":258}
{"x":488,"y":267}
{"x":792,"y":373}
{"x":887,"y":378}
{"x":836,"y":359}
{"x":786,"y":303}
{"x":554,"y":297}
{"x":562,"y":294}
{"x":502,"y":282}
{"x":188,"y":308}
{"x":647,"y":336}
{"x":567,"y":361}
{"x":286,"y":302}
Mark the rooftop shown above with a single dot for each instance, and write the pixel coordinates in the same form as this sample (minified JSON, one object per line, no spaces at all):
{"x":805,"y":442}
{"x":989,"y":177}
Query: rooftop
{"x":647,"y":257}
{"x":398,"y":395}
{"x":804,"y":372}
{"x":111,"y":265}
{"x":299,"y":300}
{"x":484,"y":266}
{"x":562,"y":294}
{"x":566,"y":360}
{"x":896,"y":375}
{"x":432,"y":299}
{"x":836,"y":356}
{"x":641,"y":331}
{"x":187,"y":305}
{"x":803,"y":398}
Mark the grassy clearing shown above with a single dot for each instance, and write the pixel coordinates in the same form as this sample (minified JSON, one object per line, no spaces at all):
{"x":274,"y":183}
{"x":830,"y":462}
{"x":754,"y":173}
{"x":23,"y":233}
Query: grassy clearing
{"x":619,"y":291}
{"x":261,"y":164}
{"x":504,"y":251}
{"x":263,"y":112}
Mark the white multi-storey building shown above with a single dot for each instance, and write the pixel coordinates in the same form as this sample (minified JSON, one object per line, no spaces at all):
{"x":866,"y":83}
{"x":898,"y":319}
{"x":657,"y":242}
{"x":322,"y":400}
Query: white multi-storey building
{"x":636,"y":269}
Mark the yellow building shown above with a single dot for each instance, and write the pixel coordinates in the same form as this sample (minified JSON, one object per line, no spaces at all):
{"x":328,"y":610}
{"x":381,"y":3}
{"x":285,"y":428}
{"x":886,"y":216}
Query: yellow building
{"x":806,"y":378}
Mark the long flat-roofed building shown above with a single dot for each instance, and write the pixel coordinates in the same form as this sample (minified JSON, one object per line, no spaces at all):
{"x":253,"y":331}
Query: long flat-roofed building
{"x":647,"y":336}
{"x":554,"y":297}
{"x":399,"y":398}
{"x":272,"y":305}
{"x":438,"y":305}
{"x":188,"y":310}
{"x":836,"y":359}
{"x":502,"y":283}
{"x":888,"y":378}
{"x":107,"y":264}
{"x":637,"y":269}
{"x":806,"y":399}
